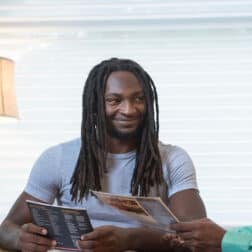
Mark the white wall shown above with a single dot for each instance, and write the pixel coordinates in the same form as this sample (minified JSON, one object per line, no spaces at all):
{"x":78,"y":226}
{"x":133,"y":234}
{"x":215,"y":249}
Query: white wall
{"x":200,"y":57}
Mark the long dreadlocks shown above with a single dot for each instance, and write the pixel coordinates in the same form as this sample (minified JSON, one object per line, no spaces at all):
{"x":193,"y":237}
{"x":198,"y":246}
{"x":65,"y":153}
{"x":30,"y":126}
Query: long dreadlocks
{"x":91,"y":163}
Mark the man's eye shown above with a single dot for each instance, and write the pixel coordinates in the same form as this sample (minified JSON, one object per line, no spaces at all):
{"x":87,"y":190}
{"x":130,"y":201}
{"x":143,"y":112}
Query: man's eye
{"x":140,"y":99}
{"x":113,"y":101}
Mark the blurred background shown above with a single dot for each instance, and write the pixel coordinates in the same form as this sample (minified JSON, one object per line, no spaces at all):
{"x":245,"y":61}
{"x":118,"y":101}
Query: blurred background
{"x":199,"y":54}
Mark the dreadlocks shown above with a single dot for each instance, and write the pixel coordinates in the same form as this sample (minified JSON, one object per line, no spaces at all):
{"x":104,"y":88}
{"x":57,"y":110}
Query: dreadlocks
{"x":91,"y":162}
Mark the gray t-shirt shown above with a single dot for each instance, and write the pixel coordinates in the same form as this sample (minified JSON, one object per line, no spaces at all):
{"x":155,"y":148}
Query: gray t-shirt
{"x":50,"y":177}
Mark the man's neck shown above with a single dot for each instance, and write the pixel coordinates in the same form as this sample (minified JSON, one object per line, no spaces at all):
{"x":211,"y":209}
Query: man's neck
{"x":121,"y":146}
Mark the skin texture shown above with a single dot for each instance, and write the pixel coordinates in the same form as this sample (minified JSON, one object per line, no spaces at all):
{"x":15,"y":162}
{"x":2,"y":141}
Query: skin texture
{"x":199,"y":235}
{"x":125,"y":109}
{"x":17,"y":231}
{"x":105,"y":238}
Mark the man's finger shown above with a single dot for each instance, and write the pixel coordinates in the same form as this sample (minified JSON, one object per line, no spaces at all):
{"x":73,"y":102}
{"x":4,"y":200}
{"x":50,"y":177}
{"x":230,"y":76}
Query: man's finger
{"x":183,"y":226}
{"x":90,"y":244}
{"x":91,"y":236}
{"x":36,"y":247}
{"x":98,"y":233}
{"x":186,"y":235}
{"x":36,"y":239}
{"x":169,"y":236}
{"x":32,"y":228}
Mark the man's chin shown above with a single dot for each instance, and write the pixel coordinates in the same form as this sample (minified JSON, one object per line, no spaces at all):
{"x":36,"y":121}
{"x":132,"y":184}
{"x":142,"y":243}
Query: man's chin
{"x":124,"y":135}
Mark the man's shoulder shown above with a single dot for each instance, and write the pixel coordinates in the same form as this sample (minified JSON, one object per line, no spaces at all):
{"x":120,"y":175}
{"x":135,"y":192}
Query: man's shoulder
{"x":169,"y":148}
{"x":70,"y":145}
{"x":73,"y":143}
{"x":169,"y":151}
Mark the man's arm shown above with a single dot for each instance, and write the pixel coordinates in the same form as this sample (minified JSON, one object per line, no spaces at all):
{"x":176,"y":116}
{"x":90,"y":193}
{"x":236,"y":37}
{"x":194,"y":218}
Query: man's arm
{"x":187,"y":205}
{"x":114,"y":239}
{"x":17,"y":232}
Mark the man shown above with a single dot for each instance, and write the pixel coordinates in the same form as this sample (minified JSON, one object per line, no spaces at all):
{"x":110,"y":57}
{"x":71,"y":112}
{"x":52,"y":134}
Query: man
{"x":205,"y":235}
{"x":119,"y":152}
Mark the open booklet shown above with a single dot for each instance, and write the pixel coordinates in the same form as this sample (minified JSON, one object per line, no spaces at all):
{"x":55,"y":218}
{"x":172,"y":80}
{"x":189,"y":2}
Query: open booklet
{"x":149,"y":211}
{"x":64,"y":224}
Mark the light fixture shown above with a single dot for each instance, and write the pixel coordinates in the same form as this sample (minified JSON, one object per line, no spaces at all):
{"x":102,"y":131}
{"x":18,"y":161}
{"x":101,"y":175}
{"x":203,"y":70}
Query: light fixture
{"x":8,"y":105}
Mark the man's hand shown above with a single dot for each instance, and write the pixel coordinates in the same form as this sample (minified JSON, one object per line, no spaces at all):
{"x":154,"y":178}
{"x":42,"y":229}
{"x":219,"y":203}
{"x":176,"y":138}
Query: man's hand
{"x":104,"y":239}
{"x":173,"y":240}
{"x":32,"y":238}
{"x":200,"y":235}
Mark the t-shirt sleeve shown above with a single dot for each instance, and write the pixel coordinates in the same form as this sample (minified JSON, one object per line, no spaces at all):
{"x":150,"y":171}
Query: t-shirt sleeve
{"x":181,"y":173}
{"x":44,"y":179}
{"x":237,"y":240}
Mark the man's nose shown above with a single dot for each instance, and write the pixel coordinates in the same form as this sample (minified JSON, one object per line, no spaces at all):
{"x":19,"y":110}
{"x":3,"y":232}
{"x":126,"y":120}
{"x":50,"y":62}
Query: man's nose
{"x":128,"y":108}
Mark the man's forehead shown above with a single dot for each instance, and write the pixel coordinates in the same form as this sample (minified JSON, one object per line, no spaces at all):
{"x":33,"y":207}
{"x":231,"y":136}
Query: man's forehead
{"x":121,"y":81}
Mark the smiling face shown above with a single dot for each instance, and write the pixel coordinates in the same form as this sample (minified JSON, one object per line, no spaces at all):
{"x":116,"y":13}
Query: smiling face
{"x":124,"y":105}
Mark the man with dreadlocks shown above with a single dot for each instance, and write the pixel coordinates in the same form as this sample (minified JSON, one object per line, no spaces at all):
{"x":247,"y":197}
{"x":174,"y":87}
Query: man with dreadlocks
{"x":119,"y":152}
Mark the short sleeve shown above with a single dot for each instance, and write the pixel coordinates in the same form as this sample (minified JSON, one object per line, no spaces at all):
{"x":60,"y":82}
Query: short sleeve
{"x":44,"y":179}
{"x":180,"y":172}
{"x":237,"y":240}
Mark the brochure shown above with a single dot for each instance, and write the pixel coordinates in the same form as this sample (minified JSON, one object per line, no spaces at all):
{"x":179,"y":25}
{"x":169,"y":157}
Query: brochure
{"x":150,"y":211}
{"x":64,"y":224}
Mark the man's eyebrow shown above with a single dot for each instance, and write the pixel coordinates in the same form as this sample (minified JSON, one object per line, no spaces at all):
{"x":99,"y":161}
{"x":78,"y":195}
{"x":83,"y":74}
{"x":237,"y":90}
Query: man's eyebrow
{"x":139,"y":92}
{"x":119,"y":94}
{"x":113,"y":94}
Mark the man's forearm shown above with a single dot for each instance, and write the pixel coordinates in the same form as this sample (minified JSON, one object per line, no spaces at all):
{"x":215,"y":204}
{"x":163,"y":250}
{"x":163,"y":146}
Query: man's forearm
{"x":145,"y":239}
{"x":9,"y":234}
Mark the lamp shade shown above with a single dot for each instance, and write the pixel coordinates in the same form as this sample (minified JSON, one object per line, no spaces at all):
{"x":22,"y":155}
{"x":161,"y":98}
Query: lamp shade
{"x":8,"y":105}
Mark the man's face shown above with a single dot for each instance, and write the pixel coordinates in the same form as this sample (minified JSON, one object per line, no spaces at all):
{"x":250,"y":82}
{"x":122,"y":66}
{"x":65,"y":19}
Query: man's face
{"x":124,"y":105}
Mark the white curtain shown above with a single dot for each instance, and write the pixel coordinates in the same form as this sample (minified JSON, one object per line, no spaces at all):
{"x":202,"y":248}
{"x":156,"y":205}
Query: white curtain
{"x":199,"y":54}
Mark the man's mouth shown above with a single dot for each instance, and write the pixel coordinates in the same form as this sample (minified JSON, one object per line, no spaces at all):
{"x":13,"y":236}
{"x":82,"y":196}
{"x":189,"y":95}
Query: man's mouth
{"x":126,"y":120}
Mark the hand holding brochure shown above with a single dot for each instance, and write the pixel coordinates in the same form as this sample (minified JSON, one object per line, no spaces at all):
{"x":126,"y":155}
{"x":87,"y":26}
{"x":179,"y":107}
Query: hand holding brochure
{"x":63,"y":224}
{"x":150,"y":211}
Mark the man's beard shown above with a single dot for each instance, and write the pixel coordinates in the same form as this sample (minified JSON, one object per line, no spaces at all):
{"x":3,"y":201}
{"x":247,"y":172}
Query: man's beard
{"x":114,"y":133}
